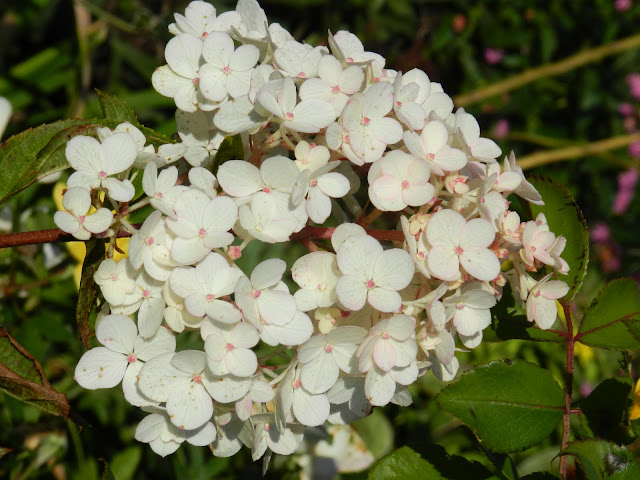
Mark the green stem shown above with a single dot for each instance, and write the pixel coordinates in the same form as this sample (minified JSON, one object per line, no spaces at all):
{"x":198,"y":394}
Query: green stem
{"x":79,"y":449}
{"x":566,"y":417}
{"x":591,"y":55}
{"x":537,"y":159}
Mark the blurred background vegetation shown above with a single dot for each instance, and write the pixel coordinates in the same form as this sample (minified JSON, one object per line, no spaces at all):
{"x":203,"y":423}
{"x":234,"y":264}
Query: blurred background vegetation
{"x":577,"y":126}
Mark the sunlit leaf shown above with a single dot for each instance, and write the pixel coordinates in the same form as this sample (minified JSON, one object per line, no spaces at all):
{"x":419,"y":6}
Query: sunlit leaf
{"x":35,"y":153}
{"x":115,"y":109}
{"x":509,"y":405}
{"x":599,"y":460}
{"x":565,"y":218}
{"x":403,"y":464}
{"x":613,"y":318}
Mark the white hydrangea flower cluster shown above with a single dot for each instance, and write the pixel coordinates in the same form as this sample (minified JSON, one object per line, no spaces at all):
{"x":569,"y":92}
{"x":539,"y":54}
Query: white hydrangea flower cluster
{"x":369,"y":317}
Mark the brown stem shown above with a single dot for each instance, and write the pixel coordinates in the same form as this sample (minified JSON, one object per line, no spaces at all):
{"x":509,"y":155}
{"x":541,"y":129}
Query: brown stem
{"x":566,"y":417}
{"x":42,"y":236}
{"x":57,"y":235}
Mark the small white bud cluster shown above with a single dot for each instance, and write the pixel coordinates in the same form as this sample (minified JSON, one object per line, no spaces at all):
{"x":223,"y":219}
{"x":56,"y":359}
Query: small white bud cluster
{"x":369,"y":317}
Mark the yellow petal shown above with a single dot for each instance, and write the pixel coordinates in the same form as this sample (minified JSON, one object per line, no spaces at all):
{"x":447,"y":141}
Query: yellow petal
{"x":123,"y":244}
{"x":635,"y":409}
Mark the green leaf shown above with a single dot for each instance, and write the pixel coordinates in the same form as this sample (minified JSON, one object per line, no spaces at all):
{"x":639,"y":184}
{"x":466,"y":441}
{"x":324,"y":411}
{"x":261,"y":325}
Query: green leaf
{"x":28,"y":156}
{"x":603,"y":460}
{"x":88,"y":289}
{"x":231,"y":148}
{"x":635,"y":427}
{"x":35,"y":153}
{"x":612,"y":319}
{"x":137,"y":184}
{"x":605,"y":408}
{"x":454,"y":467}
{"x":541,"y":476}
{"x":376,"y":432}
{"x":565,"y":218}
{"x":106,"y":474}
{"x":125,"y":463}
{"x":509,"y":405}
{"x":22,"y":377}
{"x":403,"y":464}
{"x":510,"y":322}
{"x":115,"y":109}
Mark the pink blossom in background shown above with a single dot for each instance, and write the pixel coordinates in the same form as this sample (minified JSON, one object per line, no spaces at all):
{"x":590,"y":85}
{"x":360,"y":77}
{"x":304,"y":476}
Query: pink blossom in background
{"x":495,"y":55}
{"x":625,"y":109}
{"x":626,"y":189}
{"x":629,"y":124}
{"x":623,"y":5}
{"x":600,"y":233}
{"x":634,"y":149}
{"x":607,"y":250}
{"x":628,"y":179}
{"x":633,"y":79}
{"x":585,"y":389}
{"x":501,"y":129}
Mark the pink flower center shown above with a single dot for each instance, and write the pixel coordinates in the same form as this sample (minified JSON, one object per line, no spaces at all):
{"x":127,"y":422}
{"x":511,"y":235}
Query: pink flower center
{"x":346,"y":138}
{"x":302,"y":75}
{"x":328,"y":348}
{"x":533,"y":249}
{"x":114,"y":277}
{"x":399,"y":104}
{"x":202,"y":232}
{"x":102,"y":174}
{"x":159,"y":195}
{"x":197,"y":378}
{"x":321,"y":287}
{"x":459,"y":305}
{"x":146,"y":293}
{"x":370,"y":284}
{"x":230,"y":347}
{"x":431,"y":156}
{"x":366,"y":120}
{"x":234,"y":253}
{"x":313,"y":182}
{"x":536,"y":293}
{"x":131,"y":358}
{"x":226,"y":69}
{"x":204,"y":35}
{"x":266,"y":190}
{"x":459,"y":250}
{"x":336,"y":89}
{"x":405,"y":184}
{"x":196,"y":81}
{"x":289,"y":115}
{"x":421,"y":255}
{"x":385,"y":335}
{"x":149,"y":241}
{"x":255,"y":293}
{"x":297,"y":384}
{"x":210,"y":297}
{"x":350,"y":59}
{"x":81,"y":219}
{"x":267,"y":427}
